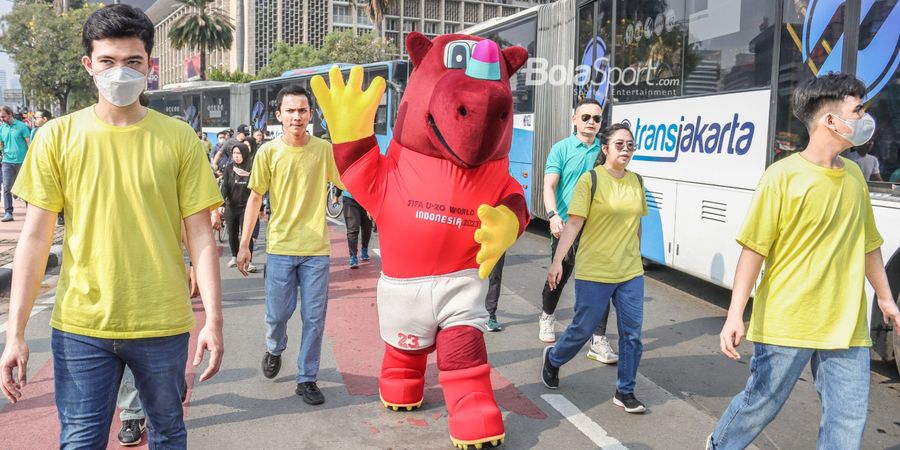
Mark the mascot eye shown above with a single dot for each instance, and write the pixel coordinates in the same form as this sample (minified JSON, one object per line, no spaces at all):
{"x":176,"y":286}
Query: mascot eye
{"x":457,"y":55}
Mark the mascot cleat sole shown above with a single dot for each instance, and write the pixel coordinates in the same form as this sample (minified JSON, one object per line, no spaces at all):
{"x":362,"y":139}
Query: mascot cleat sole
{"x":479,"y":444}
{"x":402,"y":407}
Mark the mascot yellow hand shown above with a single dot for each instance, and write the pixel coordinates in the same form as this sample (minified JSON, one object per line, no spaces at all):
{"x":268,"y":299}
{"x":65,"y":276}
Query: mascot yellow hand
{"x":498,"y":232}
{"x":349,"y":111}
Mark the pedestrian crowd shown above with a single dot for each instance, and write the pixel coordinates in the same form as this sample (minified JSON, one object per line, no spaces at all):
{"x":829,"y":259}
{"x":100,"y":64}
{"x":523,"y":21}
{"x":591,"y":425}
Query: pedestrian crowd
{"x":121,"y":320}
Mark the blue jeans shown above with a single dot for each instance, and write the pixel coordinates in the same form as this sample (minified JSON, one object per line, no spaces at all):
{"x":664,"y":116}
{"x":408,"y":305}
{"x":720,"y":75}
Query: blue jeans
{"x":842,"y":381}
{"x":86,"y":376}
{"x":128,"y":400}
{"x":284,"y":274}
{"x":591,"y":305}
{"x":9,"y":171}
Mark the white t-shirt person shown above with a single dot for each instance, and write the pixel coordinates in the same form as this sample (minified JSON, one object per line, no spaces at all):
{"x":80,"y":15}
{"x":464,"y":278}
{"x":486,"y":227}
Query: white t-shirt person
{"x":868,"y":164}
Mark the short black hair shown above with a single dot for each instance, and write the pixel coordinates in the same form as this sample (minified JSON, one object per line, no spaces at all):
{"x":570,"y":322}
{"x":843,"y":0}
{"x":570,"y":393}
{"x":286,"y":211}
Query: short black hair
{"x":588,"y":101}
{"x":811,"y":96}
{"x":292,"y":89}
{"x":117,"y":21}
{"x":45,"y":114}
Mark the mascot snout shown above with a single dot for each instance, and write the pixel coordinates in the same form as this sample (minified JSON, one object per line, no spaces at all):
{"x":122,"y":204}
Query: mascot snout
{"x":479,"y":114}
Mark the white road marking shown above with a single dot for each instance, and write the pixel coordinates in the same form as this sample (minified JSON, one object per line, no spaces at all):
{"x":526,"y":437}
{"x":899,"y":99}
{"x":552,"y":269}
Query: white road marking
{"x":334,"y":221}
{"x":43,"y":302}
{"x":377,"y":251}
{"x":591,"y":429}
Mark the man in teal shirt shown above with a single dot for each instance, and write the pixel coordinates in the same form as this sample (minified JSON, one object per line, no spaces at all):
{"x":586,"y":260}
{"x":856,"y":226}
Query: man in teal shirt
{"x":15,"y":137}
{"x":567,"y":161}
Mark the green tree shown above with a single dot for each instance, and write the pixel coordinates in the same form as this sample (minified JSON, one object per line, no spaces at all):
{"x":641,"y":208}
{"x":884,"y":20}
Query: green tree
{"x":202,"y":27}
{"x":223,"y":75}
{"x":48,"y":59}
{"x":347,"y":47}
{"x":285,"y":57}
{"x":339,"y":47}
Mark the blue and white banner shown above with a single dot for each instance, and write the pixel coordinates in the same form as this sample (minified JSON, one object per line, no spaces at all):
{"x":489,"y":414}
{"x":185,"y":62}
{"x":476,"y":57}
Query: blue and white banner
{"x":714,"y":139}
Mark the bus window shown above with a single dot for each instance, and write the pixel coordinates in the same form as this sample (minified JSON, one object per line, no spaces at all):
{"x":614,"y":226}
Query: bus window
{"x":216,"y":108}
{"x":650,"y":56}
{"x":381,"y":124}
{"x":258,"y":108}
{"x":190,"y":110}
{"x":731,"y":42}
{"x":524,"y":35}
{"x":876,"y":65}
{"x":592,"y":47}
{"x":798,"y":65}
{"x":272,"y":101}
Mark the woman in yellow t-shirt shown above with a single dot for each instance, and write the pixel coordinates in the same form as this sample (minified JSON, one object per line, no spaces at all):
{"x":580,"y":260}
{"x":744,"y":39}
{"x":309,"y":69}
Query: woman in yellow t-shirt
{"x":608,"y":263}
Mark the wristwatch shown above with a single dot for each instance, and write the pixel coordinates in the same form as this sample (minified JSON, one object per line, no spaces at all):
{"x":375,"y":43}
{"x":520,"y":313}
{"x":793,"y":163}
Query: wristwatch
{"x":551,"y":214}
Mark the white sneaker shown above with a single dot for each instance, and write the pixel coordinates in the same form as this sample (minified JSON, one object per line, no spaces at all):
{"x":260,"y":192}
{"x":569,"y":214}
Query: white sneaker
{"x":251,"y":268}
{"x":548,"y":328}
{"x":601,"y":350}
{"x":232,"y":262}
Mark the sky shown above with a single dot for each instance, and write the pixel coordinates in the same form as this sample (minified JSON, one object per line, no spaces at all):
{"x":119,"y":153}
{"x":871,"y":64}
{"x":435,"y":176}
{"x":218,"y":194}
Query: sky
{"x":5,"y":64}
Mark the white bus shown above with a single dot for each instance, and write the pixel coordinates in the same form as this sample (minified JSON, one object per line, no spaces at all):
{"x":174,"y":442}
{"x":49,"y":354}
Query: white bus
{"x":705,"y":86}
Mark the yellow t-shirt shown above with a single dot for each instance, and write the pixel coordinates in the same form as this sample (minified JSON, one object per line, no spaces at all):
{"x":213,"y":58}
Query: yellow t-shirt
{"x":296,"y":179}
{"x":610,"y":248}
{"x":125,"y":191}
{"x":814,"y":225}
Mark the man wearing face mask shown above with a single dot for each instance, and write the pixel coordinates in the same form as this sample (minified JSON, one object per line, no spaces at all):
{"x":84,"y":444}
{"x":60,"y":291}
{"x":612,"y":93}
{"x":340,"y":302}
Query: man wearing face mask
{"x":15,"y":137}
{"x":811,"y":213}
{"x":128,"y":177}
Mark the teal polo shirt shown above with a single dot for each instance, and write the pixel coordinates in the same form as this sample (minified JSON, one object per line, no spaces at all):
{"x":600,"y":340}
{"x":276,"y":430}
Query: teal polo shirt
{"x":14,"y":144}
{"x":569,"y":158}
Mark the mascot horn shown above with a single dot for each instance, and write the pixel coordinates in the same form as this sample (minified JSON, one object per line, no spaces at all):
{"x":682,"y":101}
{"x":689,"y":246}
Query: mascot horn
{"x":447,"y":209}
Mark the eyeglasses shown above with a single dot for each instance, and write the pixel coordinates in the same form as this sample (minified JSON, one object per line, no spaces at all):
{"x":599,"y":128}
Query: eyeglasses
{"x":586,"y":117}
{"x":624,"y":144}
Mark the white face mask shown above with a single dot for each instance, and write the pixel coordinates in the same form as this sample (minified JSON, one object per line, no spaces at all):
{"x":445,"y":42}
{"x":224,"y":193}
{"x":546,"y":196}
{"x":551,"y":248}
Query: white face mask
{"x":120,"y":85}
{"x":861,"y":130}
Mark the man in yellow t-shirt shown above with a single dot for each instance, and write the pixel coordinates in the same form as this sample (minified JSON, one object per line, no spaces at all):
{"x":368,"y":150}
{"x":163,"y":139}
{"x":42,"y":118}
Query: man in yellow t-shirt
{"x":294,"y":169}
{"x":127,"y":177}
{"x":811,"y":221}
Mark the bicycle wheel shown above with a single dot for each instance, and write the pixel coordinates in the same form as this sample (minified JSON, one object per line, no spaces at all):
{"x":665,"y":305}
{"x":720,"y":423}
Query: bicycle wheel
{"x":221,"y":233}
{"x":334,"y":202}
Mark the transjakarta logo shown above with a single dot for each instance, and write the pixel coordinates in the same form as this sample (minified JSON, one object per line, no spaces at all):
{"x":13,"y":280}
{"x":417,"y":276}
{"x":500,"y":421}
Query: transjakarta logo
{"x":664,"y":141}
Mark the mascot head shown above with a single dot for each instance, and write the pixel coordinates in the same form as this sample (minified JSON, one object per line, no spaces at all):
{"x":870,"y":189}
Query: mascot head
{"x":458,"y":104}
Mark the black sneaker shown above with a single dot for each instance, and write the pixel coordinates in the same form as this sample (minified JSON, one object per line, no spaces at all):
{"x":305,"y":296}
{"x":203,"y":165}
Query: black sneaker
{"x":131,"y":432}
{"x":629,"y":402}
{"x":310,"y":393}
{"x":549,"y":374}
{"x":271,"y":364}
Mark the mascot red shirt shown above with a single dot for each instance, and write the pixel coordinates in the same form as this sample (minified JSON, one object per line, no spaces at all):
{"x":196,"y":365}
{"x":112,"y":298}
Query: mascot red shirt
{"x":447,"y":209}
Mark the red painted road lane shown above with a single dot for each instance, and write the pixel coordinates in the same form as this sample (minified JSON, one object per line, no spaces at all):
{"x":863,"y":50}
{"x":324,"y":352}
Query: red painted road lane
{"x":352,"y":326}
{"x":32,"y":422}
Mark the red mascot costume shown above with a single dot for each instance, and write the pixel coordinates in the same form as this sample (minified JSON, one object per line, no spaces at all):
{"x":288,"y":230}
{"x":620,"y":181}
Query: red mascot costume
{"x":447,"y":209}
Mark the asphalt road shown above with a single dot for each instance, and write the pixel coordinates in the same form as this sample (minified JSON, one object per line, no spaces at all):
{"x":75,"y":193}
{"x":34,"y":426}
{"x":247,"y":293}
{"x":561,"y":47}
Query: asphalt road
{"x":684,"y":381}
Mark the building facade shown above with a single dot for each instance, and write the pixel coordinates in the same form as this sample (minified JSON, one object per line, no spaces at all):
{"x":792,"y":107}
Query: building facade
{"x":262,"y":23}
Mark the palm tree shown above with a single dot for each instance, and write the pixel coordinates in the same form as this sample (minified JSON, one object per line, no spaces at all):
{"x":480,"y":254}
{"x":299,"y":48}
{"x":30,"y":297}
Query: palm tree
{"x":202,"y":27}
{"x":375,"y":11}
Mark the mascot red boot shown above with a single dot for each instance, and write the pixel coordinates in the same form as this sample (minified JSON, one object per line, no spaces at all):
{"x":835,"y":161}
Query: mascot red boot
{"x":447,"y":209}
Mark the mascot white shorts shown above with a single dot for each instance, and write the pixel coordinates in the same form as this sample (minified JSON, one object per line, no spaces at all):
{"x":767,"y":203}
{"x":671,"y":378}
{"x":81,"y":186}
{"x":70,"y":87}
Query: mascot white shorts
{"x":411,"y":310}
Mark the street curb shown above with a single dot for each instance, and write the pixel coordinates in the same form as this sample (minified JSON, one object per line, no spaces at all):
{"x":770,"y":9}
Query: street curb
{"x":53,"y":260}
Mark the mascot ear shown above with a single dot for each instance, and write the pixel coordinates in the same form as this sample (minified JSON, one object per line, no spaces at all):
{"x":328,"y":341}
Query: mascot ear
{"x":417,"y":46}
{"x":515,"y":58}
